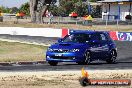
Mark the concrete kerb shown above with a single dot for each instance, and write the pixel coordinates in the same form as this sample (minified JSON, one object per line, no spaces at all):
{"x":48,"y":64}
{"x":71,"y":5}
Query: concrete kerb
{"x":30,"y":62}
{"x":34,"y":43}
{"x":5,"y":63}
{"x":22,"y":63}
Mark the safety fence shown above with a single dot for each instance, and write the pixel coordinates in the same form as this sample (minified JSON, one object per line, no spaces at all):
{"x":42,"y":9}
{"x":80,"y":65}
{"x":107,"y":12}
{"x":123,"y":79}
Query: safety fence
{"x":44,"y":32}
{"x":69,"y":20}
{"x":121,"y":36}
{"x":50,"y":32}
{"x":80,"y":21}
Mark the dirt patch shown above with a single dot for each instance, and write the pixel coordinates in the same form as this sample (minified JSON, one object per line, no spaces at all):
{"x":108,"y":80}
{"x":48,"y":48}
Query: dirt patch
{"x":58,"y":79}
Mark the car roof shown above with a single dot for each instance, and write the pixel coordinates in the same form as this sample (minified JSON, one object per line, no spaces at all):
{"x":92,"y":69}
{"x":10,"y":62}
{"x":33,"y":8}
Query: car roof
{"x":86,"y":32}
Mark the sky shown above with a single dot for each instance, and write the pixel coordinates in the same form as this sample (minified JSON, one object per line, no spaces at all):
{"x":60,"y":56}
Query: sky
{"x":12,"y":3}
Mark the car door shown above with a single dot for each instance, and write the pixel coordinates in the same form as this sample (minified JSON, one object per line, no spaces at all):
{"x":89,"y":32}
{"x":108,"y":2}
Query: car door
{"x":104,"y":47}
{"x":95,"y":46}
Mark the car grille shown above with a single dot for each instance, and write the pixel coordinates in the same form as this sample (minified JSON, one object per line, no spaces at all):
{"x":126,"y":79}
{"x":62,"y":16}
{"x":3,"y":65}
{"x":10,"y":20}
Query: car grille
{"x":62,"y":57}
{"x":60,"y":50}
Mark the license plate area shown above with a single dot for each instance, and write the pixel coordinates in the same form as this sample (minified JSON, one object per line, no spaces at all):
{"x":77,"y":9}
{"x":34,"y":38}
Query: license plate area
{"x":58,"y":55}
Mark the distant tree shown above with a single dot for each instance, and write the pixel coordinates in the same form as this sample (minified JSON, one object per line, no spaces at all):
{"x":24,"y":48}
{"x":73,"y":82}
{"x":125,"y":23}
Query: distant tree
{"x":81,"y":8}
{"x":67,"y":6}
{"x":5,"y":9}
{"x":2,"y":8}
{"x":54,"y":10}
{"x":9,"y":10}
{"x":25,"y":8}
{"x":38,"y":9}
{"x":93,"y":0}
{"x":14,"y":10}
{"x":96,"y":11}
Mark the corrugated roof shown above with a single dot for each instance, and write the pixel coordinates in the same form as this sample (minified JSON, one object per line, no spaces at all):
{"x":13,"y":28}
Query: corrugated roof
{"x":93,"y":3}
{"x":115,"y":1}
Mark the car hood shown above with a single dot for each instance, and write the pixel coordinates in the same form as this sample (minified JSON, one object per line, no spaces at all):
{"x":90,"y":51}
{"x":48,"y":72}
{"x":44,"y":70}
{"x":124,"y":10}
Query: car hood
{"x":67,"y":45}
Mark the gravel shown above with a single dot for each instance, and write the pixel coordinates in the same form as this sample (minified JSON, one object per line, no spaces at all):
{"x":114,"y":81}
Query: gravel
{"x":59,"y":79}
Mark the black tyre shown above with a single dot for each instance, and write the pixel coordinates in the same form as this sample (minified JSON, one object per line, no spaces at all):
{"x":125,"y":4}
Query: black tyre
{"x":84,"y":81}
{"x":112,"y":58}
{"x":87,"y":57}
{"x":53,"y":63}
{"x":80,"y":63}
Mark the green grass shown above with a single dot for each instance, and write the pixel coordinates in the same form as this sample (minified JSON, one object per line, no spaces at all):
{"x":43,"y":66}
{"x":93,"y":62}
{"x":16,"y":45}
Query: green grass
{"x":12,"y":52}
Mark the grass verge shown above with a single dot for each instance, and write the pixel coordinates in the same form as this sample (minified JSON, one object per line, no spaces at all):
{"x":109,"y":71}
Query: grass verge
{"x":12,"y":52}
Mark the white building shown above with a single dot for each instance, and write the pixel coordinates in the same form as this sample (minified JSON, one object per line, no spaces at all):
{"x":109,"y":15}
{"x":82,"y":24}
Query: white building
{"x":116,"y":9}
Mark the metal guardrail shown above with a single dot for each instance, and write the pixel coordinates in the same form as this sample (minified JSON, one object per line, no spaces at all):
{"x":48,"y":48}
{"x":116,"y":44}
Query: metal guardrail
{"x":80,"y":20}
{"x":64,"y":20}
{"x":77,"y":21}
{"x":9,"y":14}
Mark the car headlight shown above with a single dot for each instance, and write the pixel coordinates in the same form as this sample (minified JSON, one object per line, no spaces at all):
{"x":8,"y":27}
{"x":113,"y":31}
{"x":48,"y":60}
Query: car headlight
{"x":49,"y":49}
{"x":75,"y":50}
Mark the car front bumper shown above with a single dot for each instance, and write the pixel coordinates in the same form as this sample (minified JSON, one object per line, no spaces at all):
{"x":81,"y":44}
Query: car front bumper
{"x":64,"y":57}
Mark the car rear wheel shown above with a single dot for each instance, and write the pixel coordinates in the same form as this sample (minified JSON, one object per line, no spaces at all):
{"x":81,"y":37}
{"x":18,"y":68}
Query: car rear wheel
{"x":112,"y":58}
{"x":53,"y":63}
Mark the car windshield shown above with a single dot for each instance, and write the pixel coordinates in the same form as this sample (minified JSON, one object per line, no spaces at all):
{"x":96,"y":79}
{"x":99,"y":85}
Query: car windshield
{"x":77,"y":38}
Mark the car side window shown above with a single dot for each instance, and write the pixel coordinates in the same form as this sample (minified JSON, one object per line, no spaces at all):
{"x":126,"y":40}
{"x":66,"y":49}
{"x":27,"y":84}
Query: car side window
{"x":95,"y":37}
{"x":103,"y":37}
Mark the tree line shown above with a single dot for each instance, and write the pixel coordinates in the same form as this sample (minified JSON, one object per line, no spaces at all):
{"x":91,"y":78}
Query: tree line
{"x":79,"y":6}
{"x":23,"y":8}
{"x":37,"y":8}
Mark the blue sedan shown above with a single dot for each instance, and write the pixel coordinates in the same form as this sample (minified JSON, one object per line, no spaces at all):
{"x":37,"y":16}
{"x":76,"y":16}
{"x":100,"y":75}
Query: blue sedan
{"x":82,"y":48}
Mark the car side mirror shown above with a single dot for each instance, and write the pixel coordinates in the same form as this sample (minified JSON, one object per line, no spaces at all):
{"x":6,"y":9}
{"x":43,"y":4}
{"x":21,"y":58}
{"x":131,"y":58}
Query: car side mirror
{"x":59,"y":40}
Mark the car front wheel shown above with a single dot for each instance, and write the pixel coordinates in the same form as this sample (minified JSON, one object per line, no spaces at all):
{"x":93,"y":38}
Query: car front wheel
{"x":53,"y":63}
{"x":87,"y":58}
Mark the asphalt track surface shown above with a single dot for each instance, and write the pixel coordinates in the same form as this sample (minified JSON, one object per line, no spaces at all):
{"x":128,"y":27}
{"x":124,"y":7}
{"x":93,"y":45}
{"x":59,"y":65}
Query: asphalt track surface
{"x":124,"y":59}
